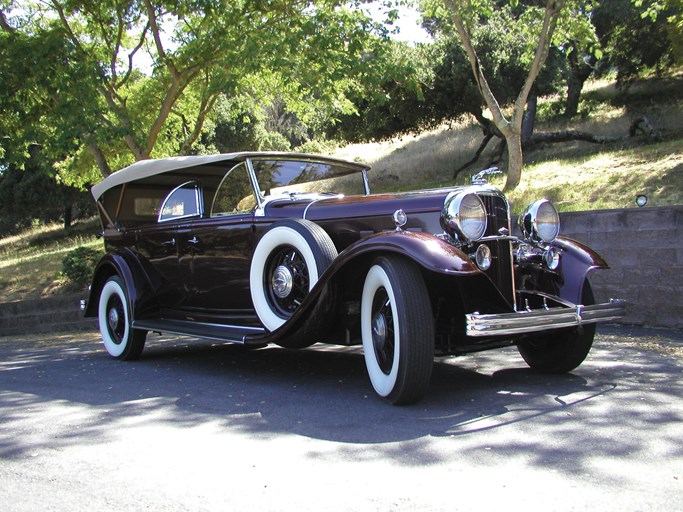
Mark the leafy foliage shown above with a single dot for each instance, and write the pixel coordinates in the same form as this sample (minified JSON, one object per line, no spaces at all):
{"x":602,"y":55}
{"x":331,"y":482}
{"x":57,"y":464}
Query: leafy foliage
{"x":633,"y":41}
{"x":34,"y":194}
{"x":79,"y":264}
{"x":138,"y":79}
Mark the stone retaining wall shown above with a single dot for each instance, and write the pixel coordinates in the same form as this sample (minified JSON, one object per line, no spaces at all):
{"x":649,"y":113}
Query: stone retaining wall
{"x":644,"y":248}
{"x":53,"y":314}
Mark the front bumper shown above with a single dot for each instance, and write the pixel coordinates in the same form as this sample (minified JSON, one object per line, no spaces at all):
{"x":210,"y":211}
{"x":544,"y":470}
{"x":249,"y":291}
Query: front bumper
{"x":530,"y":321}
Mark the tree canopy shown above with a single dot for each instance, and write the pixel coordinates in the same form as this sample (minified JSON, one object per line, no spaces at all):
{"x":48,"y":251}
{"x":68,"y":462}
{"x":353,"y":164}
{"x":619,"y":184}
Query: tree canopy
{"x":106,"y":82}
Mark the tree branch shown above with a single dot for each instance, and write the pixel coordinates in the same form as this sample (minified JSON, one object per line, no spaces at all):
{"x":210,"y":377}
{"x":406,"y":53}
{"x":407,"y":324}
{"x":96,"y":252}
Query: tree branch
{"x":206,"y":107}
{"x":5,"y":25}
{"x":482,"y":84}
{"x":552,"y":12}
{"x":156,"y":34}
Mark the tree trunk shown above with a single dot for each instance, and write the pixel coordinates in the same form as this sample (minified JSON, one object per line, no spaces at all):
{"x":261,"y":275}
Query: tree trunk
{"x":515,"y":160}
{"x":68,"y":216}
{"x":529,"y":120}
{"x":580,"y":71}
{"x":100,"y":159}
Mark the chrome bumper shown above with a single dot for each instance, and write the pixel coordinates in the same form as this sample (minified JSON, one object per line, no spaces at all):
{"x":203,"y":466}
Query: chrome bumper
{"x":543,"y":319}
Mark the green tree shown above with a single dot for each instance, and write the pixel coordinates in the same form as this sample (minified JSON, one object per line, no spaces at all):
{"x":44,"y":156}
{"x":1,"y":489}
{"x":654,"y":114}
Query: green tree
{"x":539,"y":26}
{"x":393,"y":99}
{"x":151,"y":71}
{"x":671,"y":11}
{"x":635,"y":37}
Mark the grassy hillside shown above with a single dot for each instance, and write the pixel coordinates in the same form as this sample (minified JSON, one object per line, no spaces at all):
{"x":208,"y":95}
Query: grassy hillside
{"x":575,"y":175}
{"x":31,"y":263}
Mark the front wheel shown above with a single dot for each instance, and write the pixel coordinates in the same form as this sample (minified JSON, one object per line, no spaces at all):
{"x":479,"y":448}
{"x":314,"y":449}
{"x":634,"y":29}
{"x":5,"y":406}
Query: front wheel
{"x":120,"y":339}
{"x":397,"y":330}
{"x":560,"y":351}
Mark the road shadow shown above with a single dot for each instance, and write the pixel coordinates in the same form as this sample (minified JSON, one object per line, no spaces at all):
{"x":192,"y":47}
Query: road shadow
{"x":324,"y":393}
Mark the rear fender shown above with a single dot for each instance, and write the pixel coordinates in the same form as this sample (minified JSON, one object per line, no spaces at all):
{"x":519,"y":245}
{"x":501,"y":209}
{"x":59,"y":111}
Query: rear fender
{"x":126,"y":265}
{"x":577,"y":262}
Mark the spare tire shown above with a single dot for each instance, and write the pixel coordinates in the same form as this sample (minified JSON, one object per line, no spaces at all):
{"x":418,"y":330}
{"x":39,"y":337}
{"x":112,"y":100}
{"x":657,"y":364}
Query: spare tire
{"x":289,"y":259}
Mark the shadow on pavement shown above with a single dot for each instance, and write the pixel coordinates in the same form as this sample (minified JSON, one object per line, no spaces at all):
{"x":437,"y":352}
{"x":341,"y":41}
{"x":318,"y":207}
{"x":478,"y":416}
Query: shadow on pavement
{"x":324,"y":393}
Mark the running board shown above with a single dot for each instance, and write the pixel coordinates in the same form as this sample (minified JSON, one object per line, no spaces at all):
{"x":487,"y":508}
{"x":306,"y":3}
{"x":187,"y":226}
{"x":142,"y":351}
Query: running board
{"x":216,"y":332}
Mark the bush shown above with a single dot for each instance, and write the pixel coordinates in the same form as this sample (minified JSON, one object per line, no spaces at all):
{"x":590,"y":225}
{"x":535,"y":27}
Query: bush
{"x":79,"y":264}
{"x":273,"y":141}
{"x":317,"y":147}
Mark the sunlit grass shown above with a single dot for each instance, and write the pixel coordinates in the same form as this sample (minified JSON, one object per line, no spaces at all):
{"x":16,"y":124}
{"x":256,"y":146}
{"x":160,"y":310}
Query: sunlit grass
{"x":31,"y":263}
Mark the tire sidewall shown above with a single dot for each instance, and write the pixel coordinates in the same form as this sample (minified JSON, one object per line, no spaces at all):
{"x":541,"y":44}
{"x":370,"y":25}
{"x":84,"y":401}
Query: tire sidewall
{"x":277,"y":236}
{"x":111,"y":288}
{"x":383,"y":383}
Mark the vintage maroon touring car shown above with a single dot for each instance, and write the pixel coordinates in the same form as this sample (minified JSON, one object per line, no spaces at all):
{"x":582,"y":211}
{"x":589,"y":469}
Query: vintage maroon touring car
{"x":292,"y":249}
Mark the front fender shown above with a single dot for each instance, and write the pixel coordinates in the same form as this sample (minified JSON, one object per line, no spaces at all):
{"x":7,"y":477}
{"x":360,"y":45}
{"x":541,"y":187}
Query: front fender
{"x":578,"y":261}
{"x":126,"y":265}
{"x":428,"y":251}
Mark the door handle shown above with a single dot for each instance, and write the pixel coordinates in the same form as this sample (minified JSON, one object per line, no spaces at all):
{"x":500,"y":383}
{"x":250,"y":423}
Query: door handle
{"x":194,"y":240}
{"x":169,"y":242}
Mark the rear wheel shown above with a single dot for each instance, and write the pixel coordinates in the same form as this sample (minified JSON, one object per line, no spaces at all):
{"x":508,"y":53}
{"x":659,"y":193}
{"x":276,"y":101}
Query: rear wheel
{"x":119,"y":338}
{"x":560,"y":351}
{"x":397,"y":330}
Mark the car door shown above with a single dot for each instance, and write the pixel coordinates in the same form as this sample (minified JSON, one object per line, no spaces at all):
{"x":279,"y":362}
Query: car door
{"x":216,"y":253}
{"x":160,"y":244}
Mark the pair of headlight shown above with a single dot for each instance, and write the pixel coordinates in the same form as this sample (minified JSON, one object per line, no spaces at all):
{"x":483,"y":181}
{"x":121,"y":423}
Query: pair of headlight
{"x":464,"y":217}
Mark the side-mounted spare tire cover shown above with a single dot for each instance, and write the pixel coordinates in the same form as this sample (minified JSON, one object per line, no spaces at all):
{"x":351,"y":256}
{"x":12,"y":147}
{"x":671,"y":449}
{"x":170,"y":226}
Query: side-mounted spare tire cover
{"x":289,"y":259}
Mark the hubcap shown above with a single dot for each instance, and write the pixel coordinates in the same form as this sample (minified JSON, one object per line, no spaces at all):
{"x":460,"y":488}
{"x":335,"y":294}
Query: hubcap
{"x":282,"y":281}
{"x":379,"y":330}
{"x":113,"y":319}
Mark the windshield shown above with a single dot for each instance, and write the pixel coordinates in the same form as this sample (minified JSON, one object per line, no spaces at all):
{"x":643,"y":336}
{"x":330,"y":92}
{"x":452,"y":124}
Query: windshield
{"x":297,"y":176}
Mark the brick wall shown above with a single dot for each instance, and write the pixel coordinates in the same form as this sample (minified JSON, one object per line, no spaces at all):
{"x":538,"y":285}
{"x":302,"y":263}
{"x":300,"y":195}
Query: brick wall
{"x":644,"y":248}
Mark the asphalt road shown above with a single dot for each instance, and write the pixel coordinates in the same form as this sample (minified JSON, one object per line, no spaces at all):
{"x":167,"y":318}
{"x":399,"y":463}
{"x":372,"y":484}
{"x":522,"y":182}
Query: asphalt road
{"x":200,"y":426}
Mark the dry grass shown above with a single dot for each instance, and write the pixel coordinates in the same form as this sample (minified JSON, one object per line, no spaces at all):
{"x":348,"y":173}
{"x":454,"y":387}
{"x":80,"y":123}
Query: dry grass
{"x":576,"y":175}
{"x":31,"y":263}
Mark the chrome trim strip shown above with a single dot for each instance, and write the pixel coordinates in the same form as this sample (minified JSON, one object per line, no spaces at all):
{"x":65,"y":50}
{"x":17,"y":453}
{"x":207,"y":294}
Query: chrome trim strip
{"x":525,"y":322}
{"x":318,"y":200}
{"x":254,"y":183}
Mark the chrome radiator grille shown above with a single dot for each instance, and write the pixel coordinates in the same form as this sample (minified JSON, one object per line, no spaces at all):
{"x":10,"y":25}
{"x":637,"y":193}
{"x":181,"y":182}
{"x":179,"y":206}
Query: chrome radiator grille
{"x":501,"y":272}
{"x":496,"y":213}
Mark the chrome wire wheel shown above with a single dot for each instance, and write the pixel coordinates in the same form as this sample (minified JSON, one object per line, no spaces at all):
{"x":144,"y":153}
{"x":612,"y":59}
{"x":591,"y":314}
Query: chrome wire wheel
{"x":289,"y":259}
{"x":286,"y":280}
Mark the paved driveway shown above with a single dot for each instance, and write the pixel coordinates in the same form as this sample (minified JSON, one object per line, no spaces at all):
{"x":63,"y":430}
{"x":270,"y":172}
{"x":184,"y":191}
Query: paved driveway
{"x":201,"y":426}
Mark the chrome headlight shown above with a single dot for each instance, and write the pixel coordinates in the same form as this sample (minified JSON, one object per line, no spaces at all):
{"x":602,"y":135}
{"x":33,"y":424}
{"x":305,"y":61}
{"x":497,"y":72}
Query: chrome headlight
{"x":540,"y":221}
{"x":464,"y":216}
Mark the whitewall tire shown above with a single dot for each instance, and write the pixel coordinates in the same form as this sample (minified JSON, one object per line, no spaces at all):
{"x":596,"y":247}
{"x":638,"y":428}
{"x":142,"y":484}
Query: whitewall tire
{"x":289,"y":259}
{"x":119,"y":338}
{"x":397,"y":330}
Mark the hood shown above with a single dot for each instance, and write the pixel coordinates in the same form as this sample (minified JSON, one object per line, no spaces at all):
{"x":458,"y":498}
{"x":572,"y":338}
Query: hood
{"x":323,"y":208}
